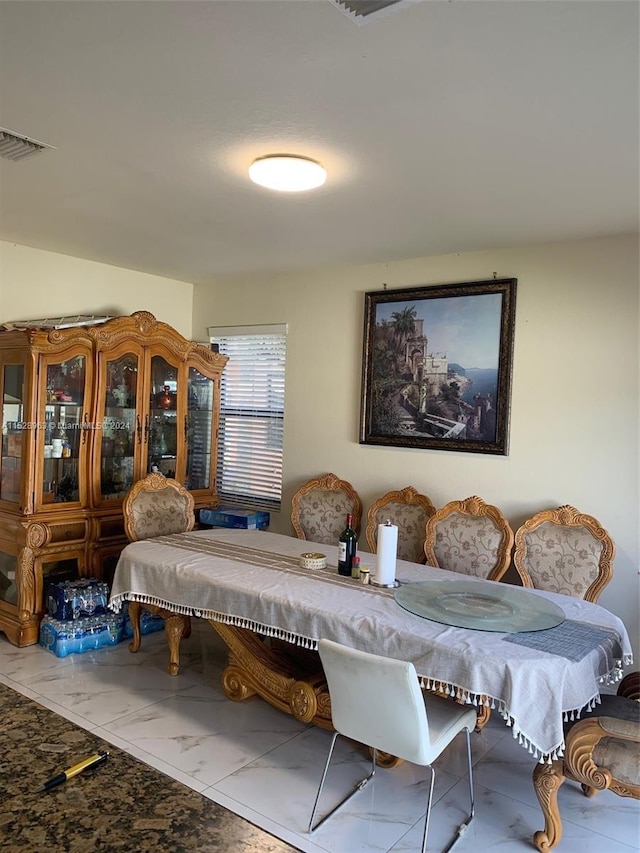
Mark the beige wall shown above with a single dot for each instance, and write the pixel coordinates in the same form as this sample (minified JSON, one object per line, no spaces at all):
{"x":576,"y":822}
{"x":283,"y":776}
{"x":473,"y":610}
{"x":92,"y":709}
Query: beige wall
{"x":36,"y":284}
{"x":574,"y":424}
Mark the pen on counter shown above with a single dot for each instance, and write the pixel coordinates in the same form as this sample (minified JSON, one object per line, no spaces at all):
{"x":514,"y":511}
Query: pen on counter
{"x":92,"y":761}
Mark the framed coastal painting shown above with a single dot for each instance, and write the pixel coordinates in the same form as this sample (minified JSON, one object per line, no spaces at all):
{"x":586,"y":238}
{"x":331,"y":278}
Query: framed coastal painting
{"x":437,"y":365}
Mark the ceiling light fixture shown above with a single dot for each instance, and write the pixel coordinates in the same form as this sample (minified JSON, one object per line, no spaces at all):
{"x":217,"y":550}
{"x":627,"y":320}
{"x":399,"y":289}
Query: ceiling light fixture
{"x":287,"y":173}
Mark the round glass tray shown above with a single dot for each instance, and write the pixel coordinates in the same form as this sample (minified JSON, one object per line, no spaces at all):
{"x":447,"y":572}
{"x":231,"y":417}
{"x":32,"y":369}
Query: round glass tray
{"x":479,"y":605}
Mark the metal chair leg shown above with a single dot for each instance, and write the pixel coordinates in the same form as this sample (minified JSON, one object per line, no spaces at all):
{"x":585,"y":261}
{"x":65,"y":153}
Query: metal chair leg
{"x":346,"y":799}
{"x":429,"y":799}
{"x":459,"y":832}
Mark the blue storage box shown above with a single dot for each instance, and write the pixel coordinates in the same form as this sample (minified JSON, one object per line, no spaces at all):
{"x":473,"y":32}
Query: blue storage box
{"x":229,"y":516}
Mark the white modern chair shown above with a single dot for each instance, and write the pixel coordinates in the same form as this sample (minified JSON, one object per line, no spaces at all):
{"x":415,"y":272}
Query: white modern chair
{"x":378,"y":701}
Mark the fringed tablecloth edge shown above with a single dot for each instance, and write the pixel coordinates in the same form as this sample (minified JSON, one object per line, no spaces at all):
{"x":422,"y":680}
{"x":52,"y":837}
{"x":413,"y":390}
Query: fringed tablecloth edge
{"x":118,"y":600}
{"x":544,"y":757}
{"x":460,"y":694}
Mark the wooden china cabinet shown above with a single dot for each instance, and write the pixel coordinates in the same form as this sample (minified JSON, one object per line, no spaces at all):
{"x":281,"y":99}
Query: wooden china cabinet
{"x":86,"y":411}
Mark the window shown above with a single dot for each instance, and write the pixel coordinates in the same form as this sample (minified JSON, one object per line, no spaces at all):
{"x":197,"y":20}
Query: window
{"x":250,"y":438}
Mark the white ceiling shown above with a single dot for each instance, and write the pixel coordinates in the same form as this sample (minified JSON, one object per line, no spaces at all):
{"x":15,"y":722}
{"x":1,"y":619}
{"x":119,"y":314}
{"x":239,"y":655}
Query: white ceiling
{"x":444,"y":126}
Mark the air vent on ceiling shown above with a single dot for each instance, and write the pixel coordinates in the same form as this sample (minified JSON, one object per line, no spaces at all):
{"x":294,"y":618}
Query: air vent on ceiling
{"x":16,"y":147}
{"x":360,"y":11}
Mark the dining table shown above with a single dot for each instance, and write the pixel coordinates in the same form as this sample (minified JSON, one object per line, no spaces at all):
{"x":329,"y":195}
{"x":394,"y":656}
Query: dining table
{"x":536,"y":658}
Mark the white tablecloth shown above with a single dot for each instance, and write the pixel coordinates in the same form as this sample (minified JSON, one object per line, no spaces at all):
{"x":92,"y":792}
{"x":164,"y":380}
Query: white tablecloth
{"x":251,"y":579}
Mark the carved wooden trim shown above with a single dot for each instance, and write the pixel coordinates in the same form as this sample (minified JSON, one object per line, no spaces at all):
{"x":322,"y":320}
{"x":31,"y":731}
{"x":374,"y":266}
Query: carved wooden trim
{"x":331,"y":483}
{"x":26,"y":583}
{"x":154,"y":483}
{"x":37,"y":535}
{"x":409,"y":496}
{"x":547,"y":779}
{"x":476,"y":508}
{"x":578,"y":764}
{"x":255,"y":668}
{"x":54,"y":340}
{"x":581,"y":742}
{"x":629,"y":687}
{"x":109,"y":334}
{"x":567,"y":516}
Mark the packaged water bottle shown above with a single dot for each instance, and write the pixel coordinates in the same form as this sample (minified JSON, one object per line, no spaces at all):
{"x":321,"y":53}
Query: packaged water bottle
{"x":64,"y":644}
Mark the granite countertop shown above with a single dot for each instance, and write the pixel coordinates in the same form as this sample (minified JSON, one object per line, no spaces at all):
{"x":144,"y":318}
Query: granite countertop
{"x":121,"y":805}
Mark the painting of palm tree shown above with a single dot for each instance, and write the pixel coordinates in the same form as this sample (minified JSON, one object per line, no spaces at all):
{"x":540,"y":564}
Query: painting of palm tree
{"x":437,"y":366}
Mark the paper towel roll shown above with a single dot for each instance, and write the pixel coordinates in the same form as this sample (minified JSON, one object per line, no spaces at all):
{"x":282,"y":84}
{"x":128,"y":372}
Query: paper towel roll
{"x":386,"y":551}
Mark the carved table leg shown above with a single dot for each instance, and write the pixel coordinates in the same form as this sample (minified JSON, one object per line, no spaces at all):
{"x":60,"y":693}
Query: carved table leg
{"x":484,"y":712}
{"x":134,"y":617}
{"x":547,"y":779}
{"x":292,"y":683}
{"x":175,"y":628}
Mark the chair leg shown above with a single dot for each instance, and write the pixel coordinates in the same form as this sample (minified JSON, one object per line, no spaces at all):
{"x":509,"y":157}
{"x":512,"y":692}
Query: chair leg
{"x":465,"y":823}
{"x":428,"y":815}
{"x":346,"y":799}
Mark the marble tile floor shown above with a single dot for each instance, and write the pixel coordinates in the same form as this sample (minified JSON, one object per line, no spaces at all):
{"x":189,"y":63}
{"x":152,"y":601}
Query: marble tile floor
{"x":265,"y":766}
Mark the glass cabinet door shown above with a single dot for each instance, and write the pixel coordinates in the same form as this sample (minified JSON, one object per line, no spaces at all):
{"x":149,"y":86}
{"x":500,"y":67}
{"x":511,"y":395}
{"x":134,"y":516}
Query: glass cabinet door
{"x":199,"y":427}
{"x":62,"y":434}
{"x":13,"y":432}
{"x":162,"y":439}
{"x":121,"y":427}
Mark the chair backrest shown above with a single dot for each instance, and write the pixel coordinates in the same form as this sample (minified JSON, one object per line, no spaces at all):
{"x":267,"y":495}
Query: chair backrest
{"x":470,"y":537}
{"x":157,"y":506}
{"x":562,"y":550}
{"x":410,"y":511}
{"x":376,"y":701}
{"x":319,"y":509}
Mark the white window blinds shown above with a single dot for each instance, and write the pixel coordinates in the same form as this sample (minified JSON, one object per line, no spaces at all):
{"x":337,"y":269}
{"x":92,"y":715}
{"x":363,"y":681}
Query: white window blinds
{"x":250,"y":438}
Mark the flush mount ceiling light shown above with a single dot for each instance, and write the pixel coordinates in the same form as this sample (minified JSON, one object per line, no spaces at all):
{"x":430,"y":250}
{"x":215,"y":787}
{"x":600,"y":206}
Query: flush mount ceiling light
{"x":287,"y":173}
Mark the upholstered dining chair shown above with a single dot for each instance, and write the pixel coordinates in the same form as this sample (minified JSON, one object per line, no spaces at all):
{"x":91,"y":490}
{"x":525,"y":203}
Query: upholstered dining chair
{"x":378,"y":701}
{"x":157,"y":506}
{"x":410,"y":511}
{"x":563,"y":550}
{"x":319,"y":509}
{"x":602,"y":750}
{"x":470,"y":537}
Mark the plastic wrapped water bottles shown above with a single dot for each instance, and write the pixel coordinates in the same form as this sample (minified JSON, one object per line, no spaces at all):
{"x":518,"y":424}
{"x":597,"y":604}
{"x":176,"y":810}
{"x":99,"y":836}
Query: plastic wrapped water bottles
{"x":66,"y":637}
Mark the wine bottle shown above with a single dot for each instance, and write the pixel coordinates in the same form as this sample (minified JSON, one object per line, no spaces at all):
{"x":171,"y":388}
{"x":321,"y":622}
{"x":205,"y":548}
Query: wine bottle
{"x":347,"y":546}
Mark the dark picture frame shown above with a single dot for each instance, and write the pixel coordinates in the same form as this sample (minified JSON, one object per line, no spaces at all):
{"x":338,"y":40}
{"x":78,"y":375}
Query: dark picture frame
{"x":437,"y":364}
